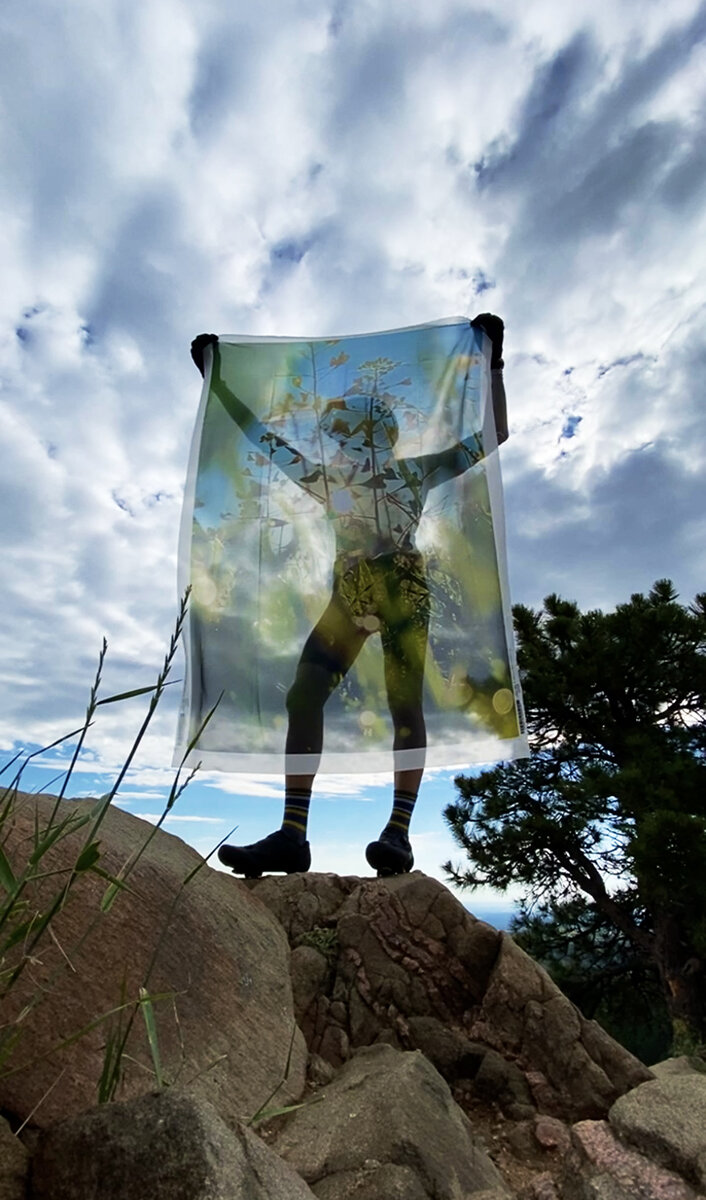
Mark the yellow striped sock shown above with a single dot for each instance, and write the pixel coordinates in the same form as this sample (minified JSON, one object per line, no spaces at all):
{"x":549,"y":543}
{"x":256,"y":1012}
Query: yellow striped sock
{"x":402,"y":809}
{"x":296,"y":811}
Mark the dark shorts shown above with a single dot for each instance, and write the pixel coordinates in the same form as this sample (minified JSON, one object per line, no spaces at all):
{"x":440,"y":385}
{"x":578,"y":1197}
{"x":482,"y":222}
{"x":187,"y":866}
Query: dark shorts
{"x":388,"y":595}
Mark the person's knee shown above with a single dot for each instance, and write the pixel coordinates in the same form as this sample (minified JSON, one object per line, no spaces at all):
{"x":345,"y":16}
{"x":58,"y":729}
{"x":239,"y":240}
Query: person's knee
{"x":311,"y":689}
{"x":408,"y":722}
{"x":296,"y":697}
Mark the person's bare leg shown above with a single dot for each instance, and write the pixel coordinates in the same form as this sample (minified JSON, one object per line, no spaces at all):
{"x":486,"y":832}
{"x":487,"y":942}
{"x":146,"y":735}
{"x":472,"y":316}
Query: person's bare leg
{"x":409,"y":781}
{"x":404,"y":679}
{"x":331,"y":648}
{"x":410,"y":733}
{"x":327,"y":655}
{"x":301,"y":781}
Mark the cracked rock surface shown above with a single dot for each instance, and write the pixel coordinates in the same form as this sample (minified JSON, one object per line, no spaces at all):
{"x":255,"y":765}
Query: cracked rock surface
{"x":667,"y":1119}
{"x":221,"y":954}
{"x":607,"y":1169}
{"x":401,"y":961}
{"x":167,"y":1147}
{"x":386,"y":1119}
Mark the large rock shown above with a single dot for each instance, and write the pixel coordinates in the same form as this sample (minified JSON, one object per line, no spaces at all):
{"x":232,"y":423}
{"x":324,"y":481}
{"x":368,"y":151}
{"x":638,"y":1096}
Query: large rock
{"x":14,"y":1165}
{"x":401,"y":960}
{"x":684,"y":1064}
{"x":221,"y":954}
{"x":607,"y":1169}
{"x":387,"y":1120}
{"x":404,"y":948}
{"x":302,"y":903}
{"x":372,"y":1181}
{"x":576,"y":1070}
{"x":451,"y":1052}
{"x":503,"y":1083}
{"x":666,"y":1119}
{"x":165,"y":1147}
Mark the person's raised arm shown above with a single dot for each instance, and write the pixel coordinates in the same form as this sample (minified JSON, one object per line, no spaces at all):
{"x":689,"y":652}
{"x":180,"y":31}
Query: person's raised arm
{"x":286,"y":457}
{"x":253,"y":429}
{"x":446,"y":464}
{"x":495,"y":329}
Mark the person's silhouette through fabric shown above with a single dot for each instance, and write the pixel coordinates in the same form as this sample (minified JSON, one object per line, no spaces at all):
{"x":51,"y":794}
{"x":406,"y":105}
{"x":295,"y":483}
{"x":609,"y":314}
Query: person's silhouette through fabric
{"x":374,"y":502}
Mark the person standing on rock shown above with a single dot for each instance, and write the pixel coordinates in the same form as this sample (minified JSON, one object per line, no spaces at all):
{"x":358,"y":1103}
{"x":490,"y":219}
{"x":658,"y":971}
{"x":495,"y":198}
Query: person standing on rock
{"x":379,"y":586}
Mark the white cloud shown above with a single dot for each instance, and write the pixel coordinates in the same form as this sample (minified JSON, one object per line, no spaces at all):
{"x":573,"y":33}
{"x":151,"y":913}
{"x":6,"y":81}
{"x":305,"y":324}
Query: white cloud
{"x":326,"y":168}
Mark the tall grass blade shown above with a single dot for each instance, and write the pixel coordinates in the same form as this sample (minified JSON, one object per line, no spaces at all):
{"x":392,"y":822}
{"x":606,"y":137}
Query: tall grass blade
{"x":263,"y":1110}
{"x":88,"y":857}
{"x":95,"y":1023}
{"x":88,"y":719}
{"x":35,"y":754}
{"x":141,"y":691}
{"x":266,"y":1114}
{"x":174,"y":793}
{"x":26,"y":927}
{"x":116,"y":886}
{"x":151,"y":1027}
{"x":6,"y":766}
{"x":40,"y":1102}
{"x":46,"y":788}
{"x":7,"y":878}
{"x":53,"y":834}
{"x":156,"y":696}
{"x":110,"y":1073}
{"x":18,"y":935}
{"x":205,"y":1070}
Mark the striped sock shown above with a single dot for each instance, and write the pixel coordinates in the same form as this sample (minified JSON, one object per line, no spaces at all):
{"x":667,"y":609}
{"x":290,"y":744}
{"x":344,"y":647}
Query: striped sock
{"x":402,"y":809}
{"x":296,"y":811}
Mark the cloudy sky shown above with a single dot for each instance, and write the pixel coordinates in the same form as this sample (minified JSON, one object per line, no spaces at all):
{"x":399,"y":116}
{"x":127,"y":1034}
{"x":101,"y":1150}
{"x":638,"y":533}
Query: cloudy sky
{"x":319,"y":167}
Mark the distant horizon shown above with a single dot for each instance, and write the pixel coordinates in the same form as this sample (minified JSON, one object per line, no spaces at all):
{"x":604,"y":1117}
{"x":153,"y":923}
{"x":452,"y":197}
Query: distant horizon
{"x":500,"y":918}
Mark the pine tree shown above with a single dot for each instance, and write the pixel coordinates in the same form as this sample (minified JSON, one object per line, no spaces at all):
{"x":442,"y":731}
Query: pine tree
{"x":611,"y":806}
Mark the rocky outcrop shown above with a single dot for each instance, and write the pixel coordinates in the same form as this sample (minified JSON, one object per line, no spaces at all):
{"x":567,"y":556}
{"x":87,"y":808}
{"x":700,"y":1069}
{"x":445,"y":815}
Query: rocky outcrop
{"x":666,"y":1118}
{"x":221,"y":955}
{"x":14,"y":1165}
{"x":685,"y":1064}
{"x":442,"y":1062}
{"x":651,"y":1147}
{"x":167,"y":1147}
{"x":605,"y":1168}
{"x":574,"y":1068}
{"x":401,"y":961}
{"x":387,"y":1119}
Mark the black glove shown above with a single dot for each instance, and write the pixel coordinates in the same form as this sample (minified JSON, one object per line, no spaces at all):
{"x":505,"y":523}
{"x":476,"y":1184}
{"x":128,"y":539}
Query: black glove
{"x":198,"y":345}
{"x":494,"y":328}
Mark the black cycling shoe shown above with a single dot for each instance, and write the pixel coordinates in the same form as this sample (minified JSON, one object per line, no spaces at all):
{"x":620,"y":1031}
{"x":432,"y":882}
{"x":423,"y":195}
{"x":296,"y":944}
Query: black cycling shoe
{"x":277,"y":852}
{"x":391,"y":854}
